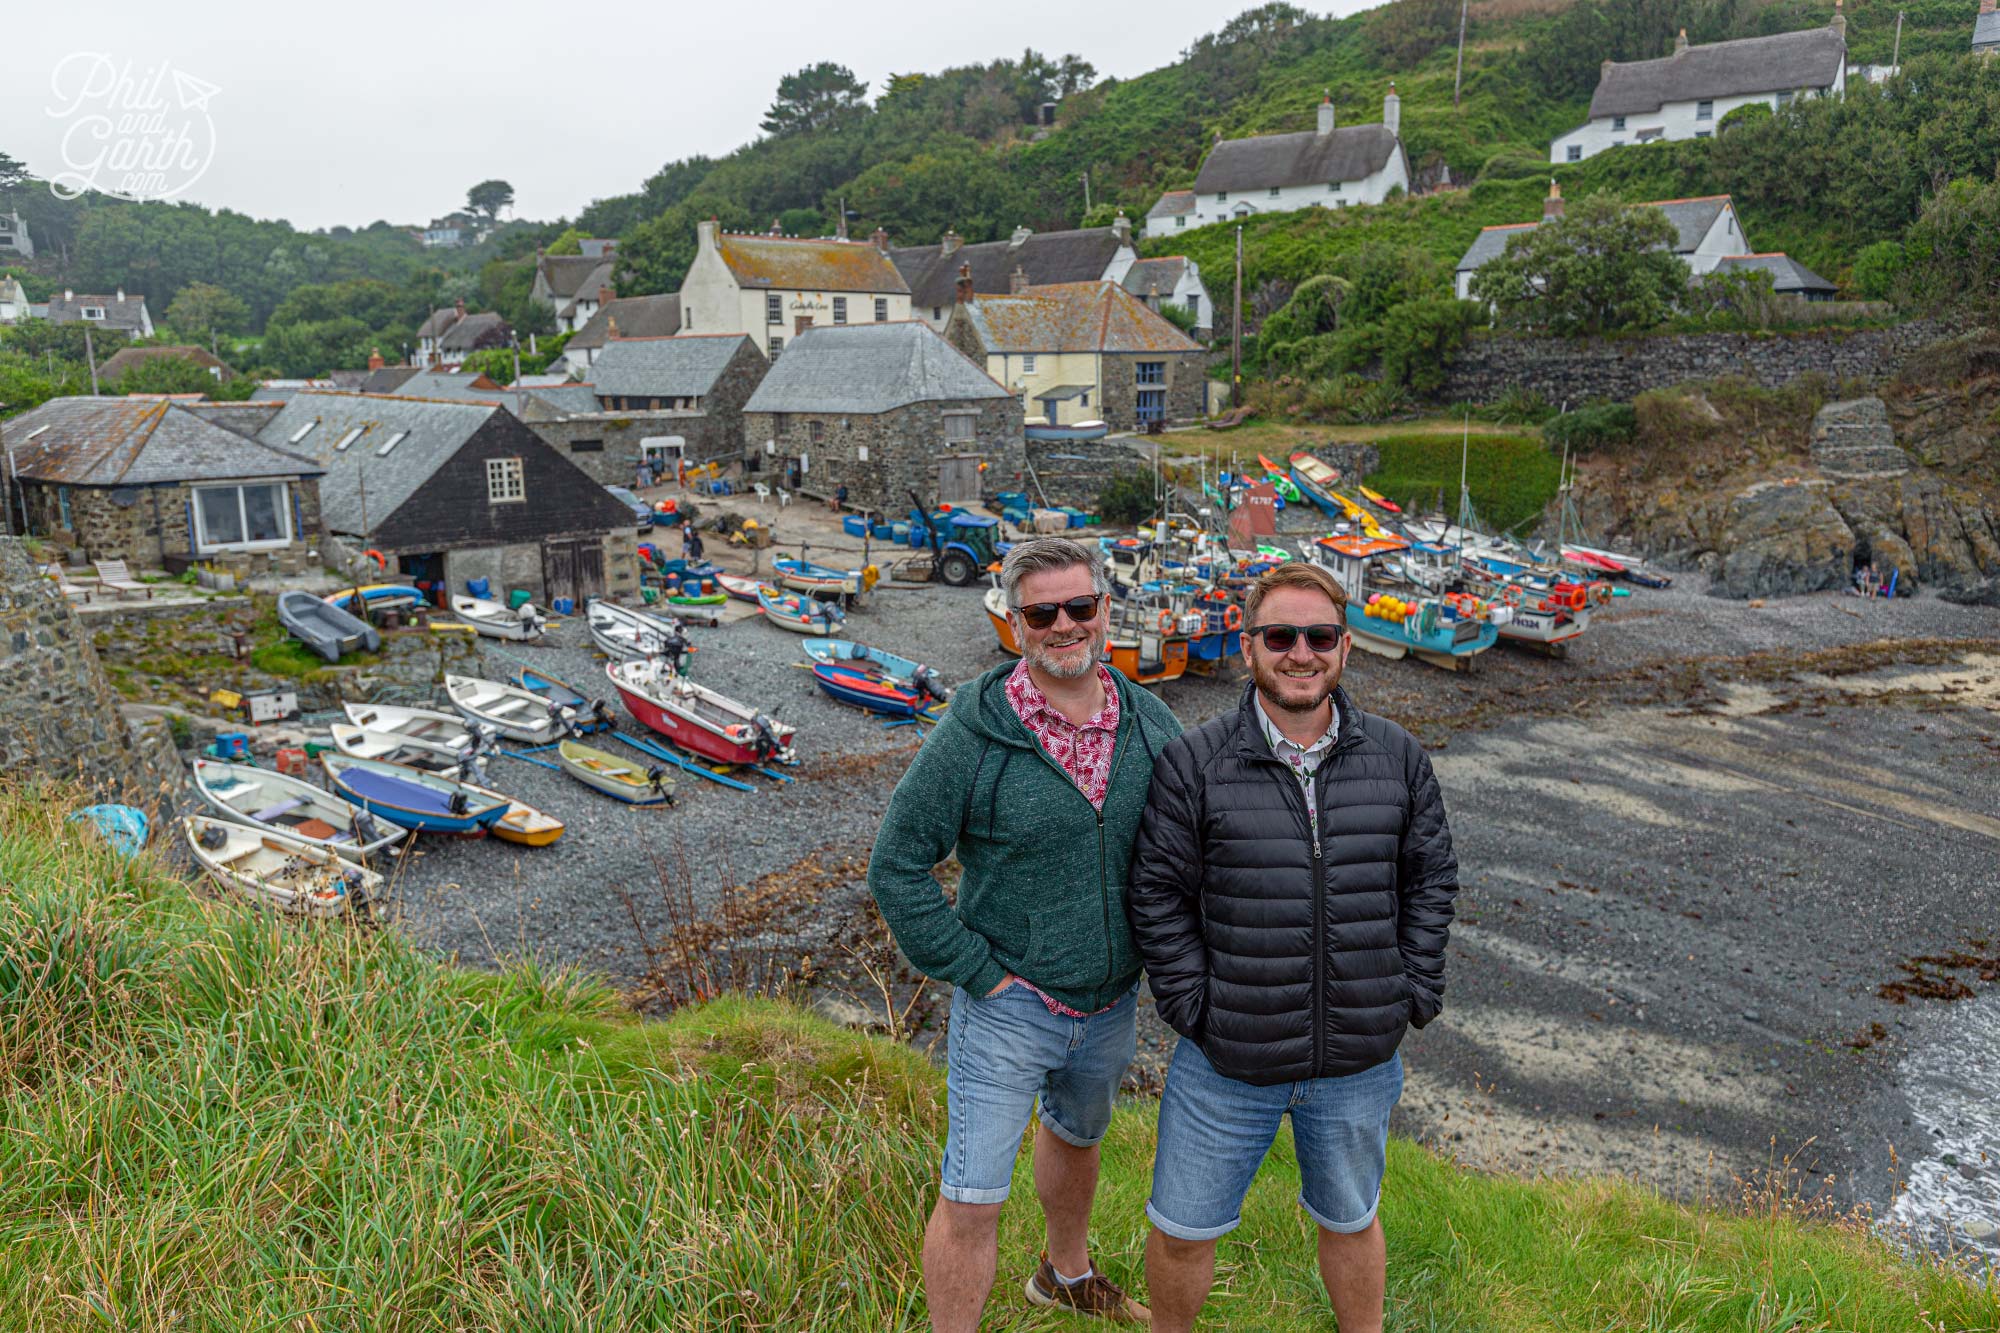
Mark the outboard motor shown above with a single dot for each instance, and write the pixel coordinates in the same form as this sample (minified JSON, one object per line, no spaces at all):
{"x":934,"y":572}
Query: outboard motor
{"x":656,"y":779}
{"x":767,"y":736}
{"x":929,"y":684}
{"x":601,"y":713}
{"x":458,"y":804}
{"x":214,"y":839}
{"x":366,"y":830}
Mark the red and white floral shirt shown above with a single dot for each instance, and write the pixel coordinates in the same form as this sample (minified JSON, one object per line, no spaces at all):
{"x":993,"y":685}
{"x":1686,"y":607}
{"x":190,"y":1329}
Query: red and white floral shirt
{"x":1083,"y":752}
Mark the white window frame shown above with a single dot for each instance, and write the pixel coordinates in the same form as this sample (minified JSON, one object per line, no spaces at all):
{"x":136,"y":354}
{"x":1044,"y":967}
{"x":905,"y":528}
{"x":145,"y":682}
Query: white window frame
{"x":1705,"y":110}
{"x":502,"y":476}
{"x":773,"y":345}
{"x":203,"y":545}
{"x":1027,"y":363}
{"x":391,"y":443}
{"x":840,"y":310}
{"x":1180,"y":219}
{"x":1277,"y":191}
{"x":347,"y":439}
{"x":1618,"y":123}
{"x":774,"y":308}
{"x":1574,"y":152}
{"x":93,"y":312}
{"x":881,"y":310}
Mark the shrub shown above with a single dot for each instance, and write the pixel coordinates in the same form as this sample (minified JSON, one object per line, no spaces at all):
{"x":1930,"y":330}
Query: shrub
{"x":1591,"y":427}
{"x":1128,"y":498}
{"x":1876,"y":270}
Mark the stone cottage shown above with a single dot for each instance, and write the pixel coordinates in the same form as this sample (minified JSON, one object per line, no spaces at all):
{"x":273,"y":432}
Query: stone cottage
{"x":449,"y":492}
{"x":883,"y":409}
{"x":1083,"y":351}
{"x":162,"y":486}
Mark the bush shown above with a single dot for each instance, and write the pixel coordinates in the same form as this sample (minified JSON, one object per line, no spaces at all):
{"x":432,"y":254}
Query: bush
{"x":1876,"y":270}
{"x":1128,"y":498}
{"x":1591,"y":427}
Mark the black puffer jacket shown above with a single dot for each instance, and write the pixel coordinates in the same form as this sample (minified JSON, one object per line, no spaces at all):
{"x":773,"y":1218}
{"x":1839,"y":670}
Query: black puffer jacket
{"x":1284,"y":961}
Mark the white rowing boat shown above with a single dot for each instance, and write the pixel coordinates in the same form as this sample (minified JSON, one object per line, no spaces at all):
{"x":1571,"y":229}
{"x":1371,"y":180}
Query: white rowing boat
{"x":287,"y":873}
{"x":278,"y":803}
{"x":518,"y":714}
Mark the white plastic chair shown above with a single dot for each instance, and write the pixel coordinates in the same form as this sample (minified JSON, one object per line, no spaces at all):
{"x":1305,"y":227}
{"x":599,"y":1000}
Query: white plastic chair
{"x":763,"y":492}
{"x":784,"y":497}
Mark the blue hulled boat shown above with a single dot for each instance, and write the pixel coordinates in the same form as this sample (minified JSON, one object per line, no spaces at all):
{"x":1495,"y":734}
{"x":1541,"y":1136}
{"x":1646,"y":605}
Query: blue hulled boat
{"x":411,"y":799}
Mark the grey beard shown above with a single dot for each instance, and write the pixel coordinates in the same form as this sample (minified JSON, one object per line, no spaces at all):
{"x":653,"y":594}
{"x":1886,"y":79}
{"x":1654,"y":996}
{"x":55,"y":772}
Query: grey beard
{"x":1085,"y":665}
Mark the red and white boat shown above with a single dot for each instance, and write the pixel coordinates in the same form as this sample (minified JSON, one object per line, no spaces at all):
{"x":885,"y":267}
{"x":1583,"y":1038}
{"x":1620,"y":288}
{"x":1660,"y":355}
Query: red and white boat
{"x":697,"y":718}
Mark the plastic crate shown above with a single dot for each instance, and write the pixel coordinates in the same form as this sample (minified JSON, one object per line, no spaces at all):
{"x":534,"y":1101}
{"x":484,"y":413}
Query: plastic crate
{"x":854,"y":525}
{"x":232,"y":745}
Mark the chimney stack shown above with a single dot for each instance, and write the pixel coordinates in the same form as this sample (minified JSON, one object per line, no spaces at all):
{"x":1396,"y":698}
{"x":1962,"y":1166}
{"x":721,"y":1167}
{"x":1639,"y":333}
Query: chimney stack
{"x":68,"y":295}
{"x":1326,"y":113}
{"x":1017,"y":281}
{"x":121,"y":296}
{"x":1392,"y":112}
{"x":1020,"y":234}
{"x":459,"y":306}
{"x":375,"y":361}
{"x":1552,"y":207}
{"x":704,"y":234}
{"x":1681,"y":41}
{"x":962,"y":289}
{"x":952,"y":240}
{"x":775,"y":229}
{"x":1121,"y":227}
{"x":1839,"y":24}
{"x":881,"y":239}
{"x":606,"y":294}
{"x":1986,"y":6}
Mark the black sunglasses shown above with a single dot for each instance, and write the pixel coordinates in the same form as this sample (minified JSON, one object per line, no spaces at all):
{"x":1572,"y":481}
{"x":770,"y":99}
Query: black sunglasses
{"x":1280,"y":638}
{"x":1041,"y":615}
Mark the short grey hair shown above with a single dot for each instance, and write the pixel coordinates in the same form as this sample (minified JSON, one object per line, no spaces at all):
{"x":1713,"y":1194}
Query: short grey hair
{"x":1046,"y":555}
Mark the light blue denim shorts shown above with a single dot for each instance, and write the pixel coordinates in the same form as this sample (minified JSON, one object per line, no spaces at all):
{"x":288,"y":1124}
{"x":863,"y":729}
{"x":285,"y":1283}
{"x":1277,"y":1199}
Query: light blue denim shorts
{"x":1008,"y":1052}
{"x":1215,"y":1132}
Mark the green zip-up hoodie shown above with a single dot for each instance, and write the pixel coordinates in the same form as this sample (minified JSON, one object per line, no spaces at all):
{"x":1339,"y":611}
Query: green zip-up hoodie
{"x":1043,"y":893}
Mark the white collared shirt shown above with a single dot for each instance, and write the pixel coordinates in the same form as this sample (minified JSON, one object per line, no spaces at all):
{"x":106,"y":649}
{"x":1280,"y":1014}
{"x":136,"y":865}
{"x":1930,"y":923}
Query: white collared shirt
{"x":1303,"y":760}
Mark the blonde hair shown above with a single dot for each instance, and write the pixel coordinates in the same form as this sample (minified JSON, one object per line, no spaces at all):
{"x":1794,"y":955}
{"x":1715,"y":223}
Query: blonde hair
{"x":1297,"y":574}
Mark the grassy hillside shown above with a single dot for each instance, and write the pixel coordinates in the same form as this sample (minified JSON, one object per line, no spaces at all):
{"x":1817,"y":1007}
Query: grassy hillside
{"x":210,"y":1119}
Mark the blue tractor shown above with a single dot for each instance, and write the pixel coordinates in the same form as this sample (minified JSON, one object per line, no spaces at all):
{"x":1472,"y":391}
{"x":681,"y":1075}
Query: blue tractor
{"x":961,"y":544}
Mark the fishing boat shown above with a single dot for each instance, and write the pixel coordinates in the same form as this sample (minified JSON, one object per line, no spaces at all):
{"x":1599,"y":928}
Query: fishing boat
{"x":1314,"y":480}
{"x":819,"y":581}
{"x":1436,"y":630}
{"x":522,"y":823}
{"x":738,"y":587}
{"x":799,"y":613}
{"x":1281,"y":480}
{"x":390,"y":748}
{"x":620,"y":779}
{"x":586,"y":713}
{"x":424,"y":802}
{"x":514,"y":712}
{"x":698,"y":719}
{"x":279,"y":803}
{"x":323,"y":627}
{"x":629,"y":636}
{"x":497,"y":621}
{"x":1145,"y":653}
{"x":123,"y":826}
{"x":879,"y":681}
{"x":445,"y":734}
{"x":1546,"y":620}
{"x":287,"y":873}
{"x":925,"y":679}
{"x":1379,"y":500}
{"x":378,"y":597}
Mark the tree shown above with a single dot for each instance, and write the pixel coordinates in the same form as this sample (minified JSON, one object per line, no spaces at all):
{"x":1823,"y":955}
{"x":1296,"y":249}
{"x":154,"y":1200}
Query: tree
{"x":825,"y":96}
{"x":13,"y":173}
{"x":1600,"y":268}
{"x":1953,"y":255}
{"x":490,"y":198}
{"x":167,"y":374}
{"x":206,"y":312}
{"x":1876,"y":269}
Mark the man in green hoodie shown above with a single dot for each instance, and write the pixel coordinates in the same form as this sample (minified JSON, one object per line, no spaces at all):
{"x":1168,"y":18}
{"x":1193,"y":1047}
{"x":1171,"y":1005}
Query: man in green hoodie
{"x":1037,"y":776}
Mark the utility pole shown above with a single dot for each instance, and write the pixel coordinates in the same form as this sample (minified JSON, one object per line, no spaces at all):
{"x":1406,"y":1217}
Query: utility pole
{"x":1236,"y":333}
{"x":1458,"y":74}
{"x":1086,"y":192}
{"x":7,"y":508}
{"x":514,"y":341}
{"x":1896,"y":59}
{"x":90,"y":355}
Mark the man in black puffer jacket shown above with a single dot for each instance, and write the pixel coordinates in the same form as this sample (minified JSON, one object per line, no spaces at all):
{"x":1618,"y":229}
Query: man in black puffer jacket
{"x":1291,"y":892}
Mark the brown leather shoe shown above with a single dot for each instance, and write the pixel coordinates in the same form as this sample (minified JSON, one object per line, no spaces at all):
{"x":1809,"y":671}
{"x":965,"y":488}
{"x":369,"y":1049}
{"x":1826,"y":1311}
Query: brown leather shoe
{"x":1096,"y":1295}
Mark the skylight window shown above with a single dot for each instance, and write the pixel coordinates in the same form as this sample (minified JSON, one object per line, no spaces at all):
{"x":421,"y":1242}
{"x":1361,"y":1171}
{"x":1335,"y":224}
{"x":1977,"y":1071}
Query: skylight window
{"x":36,"y":431}
{"x":304,"y":430}
{"x":390,"y":443}
{"x":348,"y":439}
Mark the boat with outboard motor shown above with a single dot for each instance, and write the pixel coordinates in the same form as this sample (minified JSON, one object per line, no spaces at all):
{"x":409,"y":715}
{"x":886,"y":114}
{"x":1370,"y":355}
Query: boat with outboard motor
{"x":288,"y":873}
{"x":423,"y":802}
{"x":276,"y":802}
{"x":699,"y":719}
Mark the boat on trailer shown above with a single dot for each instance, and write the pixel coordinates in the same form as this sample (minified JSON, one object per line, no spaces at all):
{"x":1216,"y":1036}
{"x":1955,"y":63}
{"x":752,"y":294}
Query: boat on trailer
{"x":290,"y":874}
{"x":279,"y":803}
{"x":698,"y":719}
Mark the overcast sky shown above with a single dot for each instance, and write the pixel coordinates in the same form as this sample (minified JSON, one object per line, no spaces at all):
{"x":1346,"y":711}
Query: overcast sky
{"x":347,"y":113}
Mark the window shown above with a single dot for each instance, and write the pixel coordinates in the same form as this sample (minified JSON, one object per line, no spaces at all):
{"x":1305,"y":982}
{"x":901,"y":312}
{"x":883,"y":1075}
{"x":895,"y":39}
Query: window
{"x":958,"y":429}
{"x":303,"y":431}
{"x":1618,"y":123}
{"x":503,"y":481}
{"x":881,"y":310}
{"x":1151,"y":372}
{"x":1617,"y":143}
{"x":1333,"y":187}
{"x":1222,"y":196}
{"x":1194,"y":307}
{"x":1180,"y":220}
{"x":391,"y":443}
{"x":1276,"y":191}
{"x":93,"y":312}
{"x":586,"y":446}
{"x":774,"y":309}
{"x":62,"y":503}
{"x":1784,"y":100}
{"x":1704,"y":111}
{"x":1083,"y":399}
{"x":1704,"y":134}
{"x":816,"y":431}
{"x":774,"y":345}
{"x":241,"y":518}
{"x":347,"y":439}
{"x":937,"y":312}
{"x":1027,"y":363}
{"x":840,"y":310}
{"x":1152,"y":405}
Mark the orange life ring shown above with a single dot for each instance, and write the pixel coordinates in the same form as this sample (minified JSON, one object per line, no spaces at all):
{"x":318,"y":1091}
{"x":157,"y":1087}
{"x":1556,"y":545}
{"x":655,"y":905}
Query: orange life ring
{"x":381,"y":561}
{"x":1232,"y":616}
{"x":1165,"y":622}
{"x":1512,"y":595}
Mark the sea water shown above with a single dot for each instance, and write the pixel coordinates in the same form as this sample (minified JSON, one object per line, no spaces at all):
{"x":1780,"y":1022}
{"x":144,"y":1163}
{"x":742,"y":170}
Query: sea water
{"x":1951,"y":1194}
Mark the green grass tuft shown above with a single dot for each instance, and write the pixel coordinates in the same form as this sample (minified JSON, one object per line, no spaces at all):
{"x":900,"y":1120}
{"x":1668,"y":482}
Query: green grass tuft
{"x":211,"y":1118}
{"x":1511,"y":477}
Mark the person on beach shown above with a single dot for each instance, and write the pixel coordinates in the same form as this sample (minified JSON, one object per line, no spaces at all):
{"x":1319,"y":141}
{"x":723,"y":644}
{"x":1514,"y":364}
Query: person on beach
{"x":1037,"y":776}
{"x":691,"y":547}
{"x":1292,"y":889}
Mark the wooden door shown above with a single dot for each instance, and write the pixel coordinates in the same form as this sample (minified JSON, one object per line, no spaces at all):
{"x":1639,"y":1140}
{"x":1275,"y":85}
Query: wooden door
{"x":800,"y":323}
{"x":559,"y":570}
{"x":589,"y":571}
{"x":958,"y":479}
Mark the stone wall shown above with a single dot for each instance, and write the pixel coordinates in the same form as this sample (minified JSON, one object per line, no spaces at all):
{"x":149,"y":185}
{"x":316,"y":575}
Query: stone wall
{"x":903,"y":449}
{"x":59,"y":716}
{"x":1186,"y":385}
{"x":606,"y":444}
{"x":1072,"y":472}
{"x":147,"y":526}
{"x":1577,"y":370}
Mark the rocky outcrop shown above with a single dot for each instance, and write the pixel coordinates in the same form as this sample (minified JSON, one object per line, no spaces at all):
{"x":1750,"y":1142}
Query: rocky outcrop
{"x":1854,"y":439}
{"x":1939,"y":535}
{"x":1780,"y":539}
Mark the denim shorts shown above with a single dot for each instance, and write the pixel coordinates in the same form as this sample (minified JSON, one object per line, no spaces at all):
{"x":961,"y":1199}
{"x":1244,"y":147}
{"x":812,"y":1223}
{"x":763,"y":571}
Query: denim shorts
{"x":1215,"y":1132}
{"x":1006,"y":1052}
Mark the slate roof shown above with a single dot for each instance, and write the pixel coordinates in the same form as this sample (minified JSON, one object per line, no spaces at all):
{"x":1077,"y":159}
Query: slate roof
{"x":568,"y":399}
{"x":1784,"y":62}
{"x":126,"y":315}
{"x":1349,"y":153}
{"x":1151,"y":275}
{"x":243,"y":418}
{"x":388,"y":379}
{"x":869,"y":368}
{"x":360,"y":476}
{"x":465,"y":335}
{"x":125,"y":358}
{"x":683,"y":367}
{"x":1986,"y":32}
{"x":1080,"y":255}
{"x":637,"y":316}
{"x":791,"y":264}
{"x":455,"y":385}
{"x":138,"y":442}
{"x":1692,"y":219}
{"x":566,"y":274}
{"x":1073,"y":317}
{"x":1787,"y":273}
{"x":1172,"y":203}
